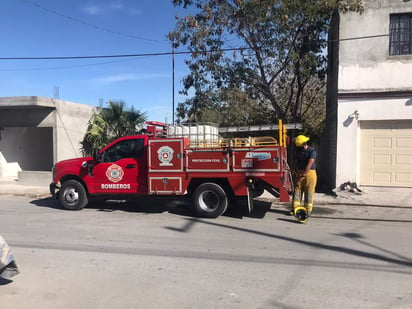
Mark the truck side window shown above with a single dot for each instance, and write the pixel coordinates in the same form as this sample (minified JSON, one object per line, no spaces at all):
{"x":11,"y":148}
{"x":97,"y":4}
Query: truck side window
{"x":130,"y":148}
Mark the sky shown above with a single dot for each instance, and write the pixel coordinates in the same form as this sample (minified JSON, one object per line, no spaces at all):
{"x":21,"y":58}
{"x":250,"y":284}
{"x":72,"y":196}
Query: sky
{"x":66,"y":28}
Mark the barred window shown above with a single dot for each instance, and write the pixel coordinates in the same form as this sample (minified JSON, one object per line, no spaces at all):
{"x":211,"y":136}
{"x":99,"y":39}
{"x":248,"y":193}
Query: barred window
{"x":400,"y":41}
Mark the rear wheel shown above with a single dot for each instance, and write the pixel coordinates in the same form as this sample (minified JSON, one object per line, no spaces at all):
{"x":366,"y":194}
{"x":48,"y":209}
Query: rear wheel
{"x":72,"y":195}
{"x":210,"y":200}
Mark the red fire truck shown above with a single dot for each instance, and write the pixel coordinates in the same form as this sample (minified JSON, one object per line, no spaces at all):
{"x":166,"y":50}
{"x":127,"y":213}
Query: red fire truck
{"x":172,"y":160}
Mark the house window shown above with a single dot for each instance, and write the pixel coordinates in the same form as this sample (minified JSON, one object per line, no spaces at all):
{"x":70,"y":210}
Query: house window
{"x":400,"y":42}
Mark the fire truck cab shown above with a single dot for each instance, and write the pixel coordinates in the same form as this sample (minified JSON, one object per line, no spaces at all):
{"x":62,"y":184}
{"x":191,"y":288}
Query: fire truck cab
{"x":173,"y":160}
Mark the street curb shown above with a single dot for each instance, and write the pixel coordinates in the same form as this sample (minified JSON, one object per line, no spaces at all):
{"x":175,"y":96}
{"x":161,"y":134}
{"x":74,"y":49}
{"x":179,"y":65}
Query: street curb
{"x":31,"y":195}
{"x":10,"y":188}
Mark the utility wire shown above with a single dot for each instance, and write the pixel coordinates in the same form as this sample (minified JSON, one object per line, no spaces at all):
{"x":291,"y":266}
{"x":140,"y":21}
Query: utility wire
{"x":167,"y":53}
{"x":66,"y":67}
{"x":74,"y":19}
{"x":77,"y":20}
{"x":361,"y":38}
{"x":85,"y":57}
{"x":120,"y":56}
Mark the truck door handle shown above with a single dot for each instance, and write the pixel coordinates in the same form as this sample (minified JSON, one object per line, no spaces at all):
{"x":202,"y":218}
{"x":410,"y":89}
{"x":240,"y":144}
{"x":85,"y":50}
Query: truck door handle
{"x":130,"y":165}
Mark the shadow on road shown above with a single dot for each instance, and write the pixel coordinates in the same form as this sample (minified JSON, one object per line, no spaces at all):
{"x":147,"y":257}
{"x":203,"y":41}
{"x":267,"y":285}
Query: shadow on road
{"x":239,"y":209}
{"x":178,"y":205}
{"x":148,"y":205}
{"x":4,"y":281}
{"x":384,"y":255}
{"x":47,"y":202}
{"x":183,"y":206}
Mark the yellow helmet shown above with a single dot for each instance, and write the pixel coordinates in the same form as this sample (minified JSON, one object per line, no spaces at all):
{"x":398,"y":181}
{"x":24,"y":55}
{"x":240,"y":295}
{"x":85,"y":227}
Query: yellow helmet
{"x":300,"y":140}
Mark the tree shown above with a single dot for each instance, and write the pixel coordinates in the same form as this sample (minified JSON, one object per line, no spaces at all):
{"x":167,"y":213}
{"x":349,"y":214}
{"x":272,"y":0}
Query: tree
{"x":109,"y":124}
{"x":274,"y":51}
{"x":226,"y":107}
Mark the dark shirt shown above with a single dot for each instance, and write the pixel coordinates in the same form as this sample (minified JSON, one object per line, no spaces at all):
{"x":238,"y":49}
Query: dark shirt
{"x":303,"y":156}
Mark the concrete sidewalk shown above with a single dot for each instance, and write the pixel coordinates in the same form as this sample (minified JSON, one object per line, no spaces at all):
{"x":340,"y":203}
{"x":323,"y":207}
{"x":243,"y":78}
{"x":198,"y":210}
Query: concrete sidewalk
{"x":381,"y":196}
{"x":14,"y":187}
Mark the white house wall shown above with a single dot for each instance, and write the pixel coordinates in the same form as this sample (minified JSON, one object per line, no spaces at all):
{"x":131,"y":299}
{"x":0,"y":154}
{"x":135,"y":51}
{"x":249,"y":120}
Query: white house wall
{"x":370,"y":82}
{"x":384,"y":76}
{"x":364,"y":61}
{"x":349,"y":132}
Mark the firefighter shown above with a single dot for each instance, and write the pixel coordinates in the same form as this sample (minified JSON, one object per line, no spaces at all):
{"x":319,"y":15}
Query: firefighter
{"x":305,"y":168}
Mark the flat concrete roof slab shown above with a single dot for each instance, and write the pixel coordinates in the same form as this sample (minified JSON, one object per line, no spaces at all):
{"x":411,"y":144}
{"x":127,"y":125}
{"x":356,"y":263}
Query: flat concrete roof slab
{"x":26,"y":102}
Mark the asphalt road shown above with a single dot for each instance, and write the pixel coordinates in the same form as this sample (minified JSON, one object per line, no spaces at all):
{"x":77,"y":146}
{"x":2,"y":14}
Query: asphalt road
{"x":156,"y":254}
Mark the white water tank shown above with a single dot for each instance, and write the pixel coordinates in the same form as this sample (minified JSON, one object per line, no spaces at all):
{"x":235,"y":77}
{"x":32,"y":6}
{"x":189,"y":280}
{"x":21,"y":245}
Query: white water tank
{"x":197,"y":133}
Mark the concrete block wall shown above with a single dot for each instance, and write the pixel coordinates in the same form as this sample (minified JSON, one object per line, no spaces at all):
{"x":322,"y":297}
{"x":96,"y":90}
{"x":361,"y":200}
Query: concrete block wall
{"x":70,"y":126}
{"x":8,"y":169}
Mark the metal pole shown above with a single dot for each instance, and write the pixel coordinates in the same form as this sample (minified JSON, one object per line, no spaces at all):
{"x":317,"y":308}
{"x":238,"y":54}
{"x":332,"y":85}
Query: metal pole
{"x":173,"y":84}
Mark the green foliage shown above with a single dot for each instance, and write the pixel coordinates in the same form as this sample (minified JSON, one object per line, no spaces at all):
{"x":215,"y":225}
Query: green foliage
{"x":227,"y":107}
{"x":111,"y":123}
{"x":272,"y":51}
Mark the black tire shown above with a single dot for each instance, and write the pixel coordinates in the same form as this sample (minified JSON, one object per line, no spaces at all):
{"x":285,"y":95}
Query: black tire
{"x":72,"y":195}
{"x":210,"y":200}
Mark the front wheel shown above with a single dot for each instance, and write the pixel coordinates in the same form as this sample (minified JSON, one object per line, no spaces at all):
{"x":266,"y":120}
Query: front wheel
{"x":72,"y":195}
{"x":210,"y":200}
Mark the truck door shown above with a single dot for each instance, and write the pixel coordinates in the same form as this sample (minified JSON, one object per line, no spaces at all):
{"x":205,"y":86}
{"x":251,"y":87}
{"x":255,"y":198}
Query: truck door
{"x":123,"y":168}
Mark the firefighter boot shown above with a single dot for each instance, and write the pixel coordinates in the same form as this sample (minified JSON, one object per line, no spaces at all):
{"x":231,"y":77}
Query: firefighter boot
{"x":301,"y":214}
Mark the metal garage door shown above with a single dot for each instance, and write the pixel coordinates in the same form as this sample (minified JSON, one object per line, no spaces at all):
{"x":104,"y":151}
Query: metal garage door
{"x":386,"y":153}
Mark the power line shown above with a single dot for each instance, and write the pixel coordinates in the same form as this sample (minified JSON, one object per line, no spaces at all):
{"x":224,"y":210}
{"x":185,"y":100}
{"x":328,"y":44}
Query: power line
{"x":85,"y":57}
{"x":77,"y":20}
{"x":361,"y":38}
{"x":163,"y":53}
{"x":166,"y":53}
{"x":119,"y":56}
{"x":67,"y":67}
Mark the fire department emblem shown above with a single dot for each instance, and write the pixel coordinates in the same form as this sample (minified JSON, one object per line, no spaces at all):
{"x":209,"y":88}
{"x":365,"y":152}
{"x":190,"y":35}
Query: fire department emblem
{"x":114,"y":173}
{"x":165,"y":155}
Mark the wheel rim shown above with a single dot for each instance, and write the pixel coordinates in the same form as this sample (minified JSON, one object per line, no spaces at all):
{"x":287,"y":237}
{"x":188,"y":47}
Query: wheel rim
{"x":209,"y":201}
{"x":71,"y":195}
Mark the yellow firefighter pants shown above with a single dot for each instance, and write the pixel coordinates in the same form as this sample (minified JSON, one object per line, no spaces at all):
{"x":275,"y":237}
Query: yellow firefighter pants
{"x":305,"y":190}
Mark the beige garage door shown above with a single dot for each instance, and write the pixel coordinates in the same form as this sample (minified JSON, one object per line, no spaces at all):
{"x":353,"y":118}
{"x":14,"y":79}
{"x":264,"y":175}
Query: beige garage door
{"x":386,"y":153}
